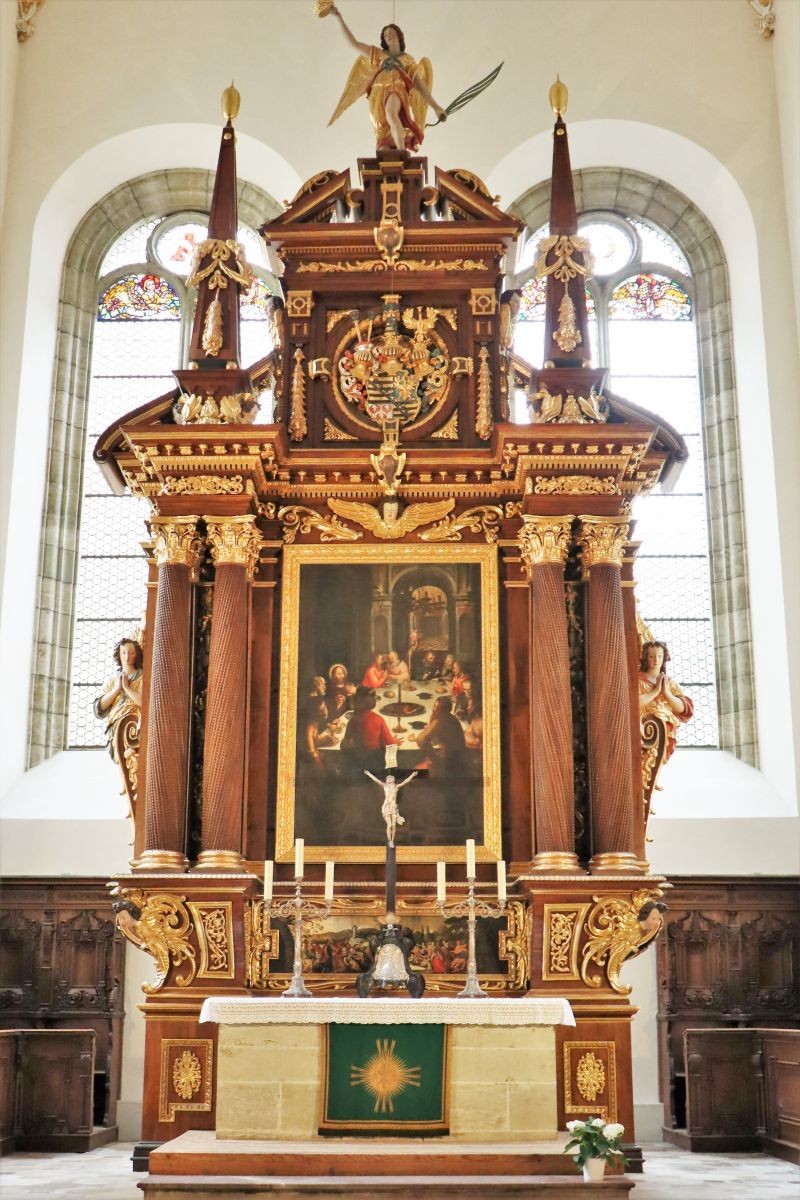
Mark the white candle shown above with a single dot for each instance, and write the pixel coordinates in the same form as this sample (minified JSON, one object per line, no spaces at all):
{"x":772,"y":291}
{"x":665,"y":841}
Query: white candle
{"x":328,"y":882}
{"x":298,"y":858}
{"x":390,"y":759}
{"x":268,"y":866}
{"x":441,"y":883}
{"x":470,"y":858}
{"x":501,"y":882}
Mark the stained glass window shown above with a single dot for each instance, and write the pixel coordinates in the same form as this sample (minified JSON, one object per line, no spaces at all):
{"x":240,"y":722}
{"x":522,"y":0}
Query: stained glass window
{"x":139,"y":298}
{"x":141,"y":329}
{"x":650,"y":298}
{"x":644,"y":330}
{"x":611,"y":246}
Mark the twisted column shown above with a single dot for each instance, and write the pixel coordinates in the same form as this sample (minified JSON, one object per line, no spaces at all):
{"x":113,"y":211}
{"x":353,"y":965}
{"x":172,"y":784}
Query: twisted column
{"x":234,"y":543}
{"x":544,"y":542}
{"x":612,"y":785}
{"x":176,"y":552}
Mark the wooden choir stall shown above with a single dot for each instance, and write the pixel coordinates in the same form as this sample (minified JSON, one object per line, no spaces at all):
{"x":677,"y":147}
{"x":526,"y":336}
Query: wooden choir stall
{"x":367,"y":582}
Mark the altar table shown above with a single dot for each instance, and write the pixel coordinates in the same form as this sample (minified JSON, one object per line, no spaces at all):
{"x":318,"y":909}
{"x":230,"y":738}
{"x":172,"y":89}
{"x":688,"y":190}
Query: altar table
{"x":502,"y":1061}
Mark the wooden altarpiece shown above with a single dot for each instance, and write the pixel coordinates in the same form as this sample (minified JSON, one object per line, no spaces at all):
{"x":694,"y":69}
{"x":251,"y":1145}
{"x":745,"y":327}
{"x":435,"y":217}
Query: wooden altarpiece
{"x":362,"y":457}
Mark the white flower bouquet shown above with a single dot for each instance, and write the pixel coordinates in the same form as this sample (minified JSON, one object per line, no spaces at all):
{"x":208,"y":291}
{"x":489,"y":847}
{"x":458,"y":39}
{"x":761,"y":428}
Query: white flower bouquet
{"x":595,"y":1138}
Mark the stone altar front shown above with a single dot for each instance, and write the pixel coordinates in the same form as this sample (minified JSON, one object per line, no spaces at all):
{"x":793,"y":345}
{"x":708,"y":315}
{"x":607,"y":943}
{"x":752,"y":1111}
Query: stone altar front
{"x":502,"y":1065}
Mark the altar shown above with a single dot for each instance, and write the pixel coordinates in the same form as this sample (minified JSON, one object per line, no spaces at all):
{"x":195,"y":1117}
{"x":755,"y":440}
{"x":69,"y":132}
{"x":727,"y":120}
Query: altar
{"x":497,"y":1080}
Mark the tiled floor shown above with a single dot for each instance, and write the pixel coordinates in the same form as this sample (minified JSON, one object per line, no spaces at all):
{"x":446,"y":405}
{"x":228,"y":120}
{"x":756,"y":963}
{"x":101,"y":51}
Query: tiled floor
{"x":670,"y":1174}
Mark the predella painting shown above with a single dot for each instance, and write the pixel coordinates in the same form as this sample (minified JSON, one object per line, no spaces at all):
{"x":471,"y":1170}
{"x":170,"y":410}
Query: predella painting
{"x":389,"y":647}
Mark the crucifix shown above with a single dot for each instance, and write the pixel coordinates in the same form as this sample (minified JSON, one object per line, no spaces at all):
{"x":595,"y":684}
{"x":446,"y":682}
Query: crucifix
{"x":390,"y":967}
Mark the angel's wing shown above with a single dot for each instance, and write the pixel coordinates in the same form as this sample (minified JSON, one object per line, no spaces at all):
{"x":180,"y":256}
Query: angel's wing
{"x":421,"y":514}
{"x":355,"y":87}
{"x":362,"y":514}
{"x":419,"y":105}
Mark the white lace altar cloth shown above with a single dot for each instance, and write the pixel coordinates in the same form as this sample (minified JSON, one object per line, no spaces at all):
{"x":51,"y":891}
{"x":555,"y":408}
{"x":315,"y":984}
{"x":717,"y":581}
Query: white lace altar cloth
{"x":377,"y":1010}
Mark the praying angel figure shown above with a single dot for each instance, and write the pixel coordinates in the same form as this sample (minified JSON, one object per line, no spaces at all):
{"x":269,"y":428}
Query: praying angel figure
{"x":389,"y":807}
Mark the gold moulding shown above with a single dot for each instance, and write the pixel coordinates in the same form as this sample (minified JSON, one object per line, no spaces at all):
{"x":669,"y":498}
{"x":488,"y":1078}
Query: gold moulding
{"x":556,"y":860}
{"x":176,"y":540}
{"x":221,"y":860}
{"x":614,"y":862}
{"x":544,"y":540}
{"x":234,"y":541}
{"x":603,"y":540}
{"x":161,"y":860}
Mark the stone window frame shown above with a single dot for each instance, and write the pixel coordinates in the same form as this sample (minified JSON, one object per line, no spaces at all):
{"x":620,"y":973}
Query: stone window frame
{"x":156,"y":194}
{"x":635,"y":195}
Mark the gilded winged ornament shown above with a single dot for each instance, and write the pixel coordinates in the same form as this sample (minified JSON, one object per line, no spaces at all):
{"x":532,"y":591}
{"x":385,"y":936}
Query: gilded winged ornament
{"x":615,"y":933}
{"x":387,"y":524}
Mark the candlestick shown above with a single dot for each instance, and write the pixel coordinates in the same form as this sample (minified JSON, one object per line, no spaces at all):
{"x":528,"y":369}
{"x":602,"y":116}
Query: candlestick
{"x":295,"y":909}
{"x":329,"y":882}
{"x":441,"y":883}
{"x":470,"y":858}
{"x":471,"y":908}
{"x":268,"y":870}
{"x":501,"y":882}
{"x":298,"y":858}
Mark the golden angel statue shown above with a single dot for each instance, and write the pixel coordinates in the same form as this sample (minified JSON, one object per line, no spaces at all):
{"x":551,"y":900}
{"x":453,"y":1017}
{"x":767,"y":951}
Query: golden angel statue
{"x":397,"y":87}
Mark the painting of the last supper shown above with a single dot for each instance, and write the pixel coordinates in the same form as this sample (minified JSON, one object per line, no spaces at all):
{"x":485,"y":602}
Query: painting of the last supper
{"x":382,"y":650}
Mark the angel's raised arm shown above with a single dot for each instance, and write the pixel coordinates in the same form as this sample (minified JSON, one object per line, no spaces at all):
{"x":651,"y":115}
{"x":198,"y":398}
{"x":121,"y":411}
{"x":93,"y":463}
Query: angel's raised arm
{"x":361,"y":47}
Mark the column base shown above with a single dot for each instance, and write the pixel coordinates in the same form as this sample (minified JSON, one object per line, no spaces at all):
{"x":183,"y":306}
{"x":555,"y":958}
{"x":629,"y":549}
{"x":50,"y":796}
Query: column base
{"x":615,"y":862}
{"x":221,"y":860}
{"x":556,"y":862}
{"x":159,"y":861}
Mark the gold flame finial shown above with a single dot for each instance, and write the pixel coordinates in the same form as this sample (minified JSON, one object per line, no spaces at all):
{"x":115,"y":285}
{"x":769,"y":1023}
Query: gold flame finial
{"x":558,"y":97}
{"x":230,"y":103}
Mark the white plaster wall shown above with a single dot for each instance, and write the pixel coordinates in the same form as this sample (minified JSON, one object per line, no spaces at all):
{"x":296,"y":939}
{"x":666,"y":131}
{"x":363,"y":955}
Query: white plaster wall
{"x":685,"y":91}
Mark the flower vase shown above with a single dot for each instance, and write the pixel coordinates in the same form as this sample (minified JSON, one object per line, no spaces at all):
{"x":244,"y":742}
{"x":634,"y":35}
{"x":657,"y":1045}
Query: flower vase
{"x":594,"y":1170}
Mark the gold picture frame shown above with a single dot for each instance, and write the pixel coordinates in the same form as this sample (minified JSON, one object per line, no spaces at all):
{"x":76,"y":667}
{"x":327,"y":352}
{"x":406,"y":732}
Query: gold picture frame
{"x":465,"y":576}
{"x":416,"y":914}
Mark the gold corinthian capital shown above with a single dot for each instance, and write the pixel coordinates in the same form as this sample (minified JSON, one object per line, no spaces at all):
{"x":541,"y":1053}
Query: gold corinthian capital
{"x":544,"y":540}
{"x":603,"y":540}
{"x":176,"y":541}
{"x":235,"y":541}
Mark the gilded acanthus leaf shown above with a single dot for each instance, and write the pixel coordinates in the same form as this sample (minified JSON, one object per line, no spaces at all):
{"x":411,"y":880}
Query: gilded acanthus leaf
{"x":387,"y":524}
{"x":614,"y":934}
{"x":162,"y":930}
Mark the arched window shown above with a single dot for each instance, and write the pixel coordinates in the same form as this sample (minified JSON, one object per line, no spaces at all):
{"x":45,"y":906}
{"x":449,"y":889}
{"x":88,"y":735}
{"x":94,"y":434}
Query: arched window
{"x":640,"y":300}
{"x":138,"y":327}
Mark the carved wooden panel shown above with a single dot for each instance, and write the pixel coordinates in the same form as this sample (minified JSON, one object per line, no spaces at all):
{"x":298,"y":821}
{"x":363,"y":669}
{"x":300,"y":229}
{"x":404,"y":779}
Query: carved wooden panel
{"x":782,"y":1086}
{"x":728,"y":959}
{"x":590,"y":1079}
{"x":8,"y":1088}
{"x":186,"y":1082}
{"x":57,"y":1081}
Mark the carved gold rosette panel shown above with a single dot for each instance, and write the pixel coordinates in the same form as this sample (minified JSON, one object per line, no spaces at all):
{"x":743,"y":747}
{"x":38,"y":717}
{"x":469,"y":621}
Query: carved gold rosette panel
{"x":590,"y":1078}
{"x":186,"y":1076}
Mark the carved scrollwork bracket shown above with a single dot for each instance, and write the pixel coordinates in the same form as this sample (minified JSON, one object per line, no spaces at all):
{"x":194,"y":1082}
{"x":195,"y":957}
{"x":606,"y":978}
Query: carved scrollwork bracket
{"x":616,"y":932}
{"x":160,"y":925}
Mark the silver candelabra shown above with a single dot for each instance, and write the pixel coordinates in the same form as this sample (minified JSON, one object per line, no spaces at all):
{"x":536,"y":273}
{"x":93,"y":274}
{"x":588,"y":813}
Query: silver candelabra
{"x":295,"y":909}
{"x":471,"y":908}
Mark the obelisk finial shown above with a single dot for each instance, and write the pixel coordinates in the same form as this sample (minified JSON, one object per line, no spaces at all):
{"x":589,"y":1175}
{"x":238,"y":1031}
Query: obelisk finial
{"x":230,"y":103}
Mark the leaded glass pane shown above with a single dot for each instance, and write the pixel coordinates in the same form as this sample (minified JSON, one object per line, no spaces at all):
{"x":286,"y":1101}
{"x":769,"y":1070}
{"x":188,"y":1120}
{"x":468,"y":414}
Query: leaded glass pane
{"x":130,"y":248}
{"x":672,"y":524}
{"x":139,"y":298}
{"x":656,"y":247}
{"x":176,"y":245}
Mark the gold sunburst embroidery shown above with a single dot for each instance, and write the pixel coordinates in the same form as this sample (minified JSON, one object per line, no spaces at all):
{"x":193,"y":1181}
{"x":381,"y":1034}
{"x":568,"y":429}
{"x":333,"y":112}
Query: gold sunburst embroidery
{"x":385,"y":1076}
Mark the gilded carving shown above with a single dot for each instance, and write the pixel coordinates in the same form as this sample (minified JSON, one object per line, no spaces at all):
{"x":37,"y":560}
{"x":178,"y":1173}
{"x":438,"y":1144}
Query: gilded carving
{"x":120,"y":707}
{"x":203,"y":485}
{"x":515,"y":943}
{"x":238,"y":408}
{"x":335,"y":315}
{"x":449,"y":431}
{"x":604,"y":1101}
{"x":574,"y":485}
{"x":406,"y":264}
{"x":299,"y":305}
{"x":386,"y":523}
{"x":603,"y":540}
{"x":226,"y":261}
{"x":462,"y":364}
{"x":563,"y":924}
{"x":483,"y":416}
{"x":234,"y":540}
{"x":298,"y":426}
{"x":319,"y":368}
{"x":26,"y":11}
{"x":297,"y":519}
{"x":563,"y":266}
{"x":483,"y":302}
{"x":389,"y":463}
{"x":213,"y":923}
{"x":175,"y":541}
{"x":332,"y":433}
{"x":186,"y":1076}
{"x":261,"y":943}
{"x":475,"y":184}
{"x":765,"y":17}
{"x":615,"y":932}
{"x":548,"y":409}
{"x":590,"y":1076}
{"x":160,"y":925}
{"x":544,"y":540}
{"x":567,"y":334}
{"x":484,"y":519}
